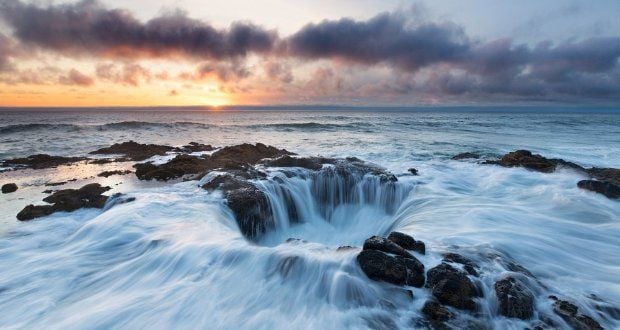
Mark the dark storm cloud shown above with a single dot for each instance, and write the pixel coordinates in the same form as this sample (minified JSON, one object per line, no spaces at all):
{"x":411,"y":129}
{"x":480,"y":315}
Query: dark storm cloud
{"x":386,"y":38}
{"x":88,"y":27}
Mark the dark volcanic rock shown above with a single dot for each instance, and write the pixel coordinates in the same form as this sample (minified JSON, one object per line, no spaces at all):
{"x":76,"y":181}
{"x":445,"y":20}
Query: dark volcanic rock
{"x":385,"y":245}
{"x":106,"y":174}
{"x":469,"y":266}
{"x":452,"y":287}
{"x":41,"y":161}
{"x":570,"y":313}
{"x":608,"y":189}
{"x":413,"y":171}
{"x":195,"y":147}
{"x":55,"y":184}
{"x":311,"y":163}
{"x":435,"y":312}
{"x":9,"y":188}
{"x":466,"y":155}
{"x":515,"y":300}
{"x":611,"y":175}
{"x":134,"y":151}
{"x":407,"y":242}
{"x":525,"y":158}
{"x":248,"y":203}
{"x":67,"y":200}
{"x":177,"y":167}
{"x":237,"y":160}
{"x":401,"y":269}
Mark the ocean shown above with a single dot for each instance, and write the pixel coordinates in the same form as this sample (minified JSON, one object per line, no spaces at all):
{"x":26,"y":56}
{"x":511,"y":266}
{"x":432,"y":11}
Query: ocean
{"x":175,"y":258}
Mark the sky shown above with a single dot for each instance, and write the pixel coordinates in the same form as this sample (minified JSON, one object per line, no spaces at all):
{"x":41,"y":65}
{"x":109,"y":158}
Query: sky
{"x":348,"y":52}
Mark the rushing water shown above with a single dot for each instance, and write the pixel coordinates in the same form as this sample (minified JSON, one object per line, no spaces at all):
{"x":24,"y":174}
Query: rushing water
{"x":175,"y":258}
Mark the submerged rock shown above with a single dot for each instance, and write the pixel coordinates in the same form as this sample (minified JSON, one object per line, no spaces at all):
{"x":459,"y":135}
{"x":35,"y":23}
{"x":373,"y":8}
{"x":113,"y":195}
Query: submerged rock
{"x":106,"y":174}
{"x":466,"y":155}
{"x":435,"y":312}
{"x":468,"y":265}
{"x":452,"y":287}
{"x":195,"y":147}
{"x":570,"y":313}
{"x":525,"y":158}
{"x":68,"y":200}
{"x":407,"y":242}
{"x":608,"y":189}
{"x":41,"y":161}
{"x":515,"y":300}
{"x":134,"y":151}
{"x":249,"y":204}
{"x":9,"y":188}
{"x":413,"y":171}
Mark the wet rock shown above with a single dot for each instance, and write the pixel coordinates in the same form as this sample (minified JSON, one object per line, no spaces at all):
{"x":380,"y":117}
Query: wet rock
{"x":570,"y":313}
{"x":195,"y":147}
{"x":9,"y":188}
{"x":379,"y":266}
{"x":385,"y":245}
{"x":177,"y":167}
{"x":413,"y":171}
{"x":466,"y":155}
{"x":407,"y":242}
{"x":608,"y":189}
{"x":468,"y":265}
{"x":249,"y":153}
{"x":134,"y":151}
{"x":311,"y":163}
{"x":515,"y":300}
{"x":452,"y":287}
{"x":435,"y":312}
{"x":611,"y":175}
{"x":106,"y":174}
{"x":55,"y":184}
{"x":249,"y":204}
{"x":40,"y":161}
{"x":525,"y":158}
{"x":67,"y":200}
{"x":346,"y":248}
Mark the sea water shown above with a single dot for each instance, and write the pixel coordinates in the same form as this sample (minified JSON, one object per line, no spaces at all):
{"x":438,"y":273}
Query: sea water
{"x":175,"y":258}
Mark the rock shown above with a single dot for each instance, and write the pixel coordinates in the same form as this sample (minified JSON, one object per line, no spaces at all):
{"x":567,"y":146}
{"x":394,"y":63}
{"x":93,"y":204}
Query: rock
{"x":608,"y":189}
{"x":55,"y":184}
{"x":177,"y":167}
{"x":249,"y":204}
{"x":468,"y":265}
{"x":611,"y":175}
{"x":452,"y":287}
{"x":466,"y":155}
{"x":134,"y":151}
{"x":435,"y":312}
{"x":106,"y":174}
{"x":515,"y":300}
{"x":41,"y":161}
{"x":195,"y":147}
{"x":407,"y":242}
{"x":9,"y":188}
{"x":398,"y":270}
{"x":413,"y":171}
{"x":385,"y":245}
{"x":570,"y":313}
{"x":249,"y":153}
{"x":525,"y":158}
{"x":311,"y":163}
{"x":68,"y":200}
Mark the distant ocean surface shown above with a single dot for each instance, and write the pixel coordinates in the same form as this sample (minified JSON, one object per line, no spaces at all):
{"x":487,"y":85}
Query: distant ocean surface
{"x":100,"y":269}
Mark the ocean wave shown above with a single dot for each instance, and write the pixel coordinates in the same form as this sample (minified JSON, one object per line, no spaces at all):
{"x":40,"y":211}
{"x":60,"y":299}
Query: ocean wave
{"x":123,"y":125}
{"x":310,"y":126}
{"x":18,"y":128}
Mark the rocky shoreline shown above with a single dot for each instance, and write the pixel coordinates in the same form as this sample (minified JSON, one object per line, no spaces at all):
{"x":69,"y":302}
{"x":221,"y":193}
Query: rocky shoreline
{"x":453,"y":285}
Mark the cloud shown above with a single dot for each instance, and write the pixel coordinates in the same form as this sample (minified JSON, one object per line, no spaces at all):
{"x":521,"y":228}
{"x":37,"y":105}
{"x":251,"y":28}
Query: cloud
{"x":6,"y":50}
{"x":87,"y":27}
{"x":128,"y":74}
{"x":388,"y":38}
{"x":76,"y":78}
